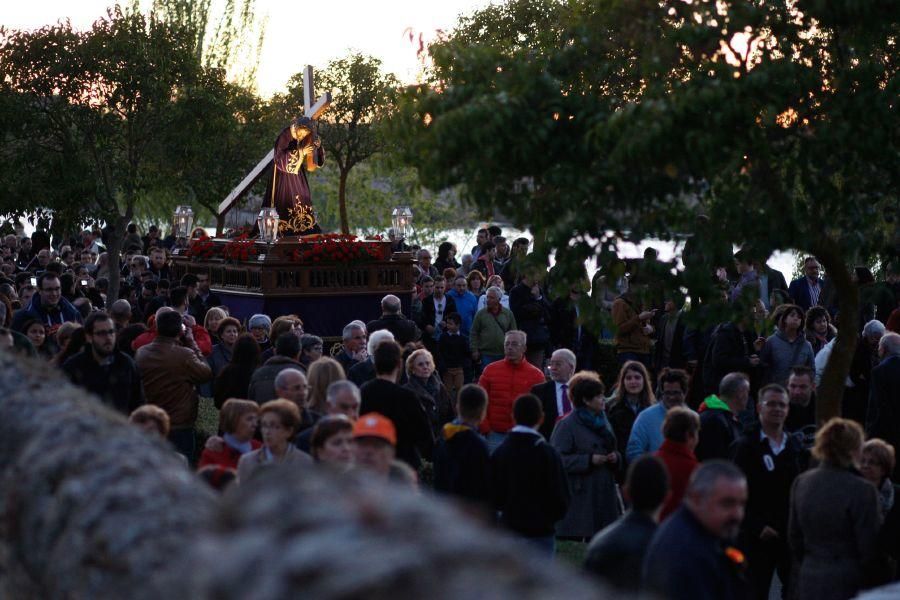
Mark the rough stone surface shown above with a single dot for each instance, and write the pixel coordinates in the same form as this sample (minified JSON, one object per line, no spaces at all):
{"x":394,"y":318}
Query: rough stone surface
{"x":93,"y":508}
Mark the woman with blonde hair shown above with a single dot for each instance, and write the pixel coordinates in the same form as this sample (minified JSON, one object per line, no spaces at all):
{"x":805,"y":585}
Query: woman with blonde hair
{"x":423,"y":381}
{"x":321,"y":374}
{"x":633,"y":394}
{"x":834,"y":518}
{"x":214,"y":316}
{"x":238,"y":421}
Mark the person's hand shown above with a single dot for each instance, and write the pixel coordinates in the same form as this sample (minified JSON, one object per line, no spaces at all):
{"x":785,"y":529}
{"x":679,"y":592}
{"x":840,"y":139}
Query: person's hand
{"x":612,"y":457}
{"x":214,"y":444}
{"x":647,"y":314}
{"x":598,"y":459}
{"x":768,"y":533}
{"x":648,"y":329}
{"x":759,"y":343}
{"x":721,"y":274}
{"x":189,"y":321}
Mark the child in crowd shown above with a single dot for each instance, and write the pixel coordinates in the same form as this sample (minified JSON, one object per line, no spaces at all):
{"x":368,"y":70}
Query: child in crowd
{"x":453,"y":348}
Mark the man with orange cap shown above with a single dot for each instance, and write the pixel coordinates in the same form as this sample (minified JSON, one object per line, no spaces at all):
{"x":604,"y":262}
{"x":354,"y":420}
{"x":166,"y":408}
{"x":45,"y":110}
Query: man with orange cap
{"x":375,"y":444}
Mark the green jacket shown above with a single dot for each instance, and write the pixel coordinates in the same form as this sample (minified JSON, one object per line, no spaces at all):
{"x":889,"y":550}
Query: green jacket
{"x":488,"y":332}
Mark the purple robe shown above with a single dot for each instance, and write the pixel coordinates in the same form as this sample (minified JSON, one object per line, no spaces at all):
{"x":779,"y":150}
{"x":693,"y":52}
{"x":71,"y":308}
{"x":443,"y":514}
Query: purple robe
{"x":291,"y":188}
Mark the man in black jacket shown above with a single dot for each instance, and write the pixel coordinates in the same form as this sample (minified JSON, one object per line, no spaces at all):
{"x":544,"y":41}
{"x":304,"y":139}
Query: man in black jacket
{"x":434,"y":309}
{"x":404,"y":330}
{"x":553,"y":394}
{"x":529,"y":487}
{"x":382,"y":395}
{"x":461,"y":457}
{"x":101,"y":369}
{"x":720,"y":424}
{"x":616,"y":553}
{"x":771,"y":459}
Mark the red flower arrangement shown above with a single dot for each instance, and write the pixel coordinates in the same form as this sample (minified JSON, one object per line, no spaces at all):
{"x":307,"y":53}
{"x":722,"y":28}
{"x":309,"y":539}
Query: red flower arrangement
{"x":201,"y":247}
{"x":240,"y":248}
{"x":337,"y":248}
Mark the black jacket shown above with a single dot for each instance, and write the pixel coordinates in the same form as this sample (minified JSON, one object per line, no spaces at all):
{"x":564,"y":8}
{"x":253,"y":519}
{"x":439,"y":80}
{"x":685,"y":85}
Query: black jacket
{"x":768,"y":503}
{"x":428,"y":314}
{"x":529,"y":485}
{"x":685,"y":562}
{"x":118,"y":385}
{"x":532,"y":315}
{"x":883,"y":416}
{"x":462,"y":465}
{"x":362,"y":372}
{"x":404,"y":330}
{"x":729,"y":350}
{"x":616,"y":553}
{"x":718,"y":430}
{"x":401,"y":406}
{"x":547,"y":394}
{"x":454,"y":351}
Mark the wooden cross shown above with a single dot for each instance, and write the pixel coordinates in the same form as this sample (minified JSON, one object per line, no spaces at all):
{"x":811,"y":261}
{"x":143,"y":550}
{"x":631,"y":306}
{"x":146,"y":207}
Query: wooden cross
{"x":309,"y":110}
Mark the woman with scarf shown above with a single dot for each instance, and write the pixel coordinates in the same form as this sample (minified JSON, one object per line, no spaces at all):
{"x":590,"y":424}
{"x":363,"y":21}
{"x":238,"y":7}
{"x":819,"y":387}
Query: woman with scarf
{"x":424,"y":382}
{"x":238,"y":421}
{"x":585,"y":440}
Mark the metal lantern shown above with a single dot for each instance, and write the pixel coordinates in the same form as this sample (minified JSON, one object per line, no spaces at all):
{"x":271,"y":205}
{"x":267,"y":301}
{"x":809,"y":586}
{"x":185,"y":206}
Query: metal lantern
{"x":401,"y":220}
{"x":267,"y":221}
{"x":183,"y":221}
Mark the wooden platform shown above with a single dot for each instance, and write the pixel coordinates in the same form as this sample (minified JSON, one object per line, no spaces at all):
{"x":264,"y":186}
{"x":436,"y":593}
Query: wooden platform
{"x":326,"y":295}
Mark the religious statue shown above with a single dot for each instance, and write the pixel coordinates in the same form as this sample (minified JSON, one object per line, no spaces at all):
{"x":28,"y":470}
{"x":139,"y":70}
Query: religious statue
{"x":298,"y":150}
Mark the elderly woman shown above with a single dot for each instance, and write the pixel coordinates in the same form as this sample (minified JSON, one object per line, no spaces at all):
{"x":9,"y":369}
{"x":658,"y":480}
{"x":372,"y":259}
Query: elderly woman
{"x":834,"y":518}
{"x":587,"y":445}
{"x":331,"y":443}
{"x":278,"y":420}
{"x":212,"y":320}
{"x":238,"y":420}
{"x":424,"y":382}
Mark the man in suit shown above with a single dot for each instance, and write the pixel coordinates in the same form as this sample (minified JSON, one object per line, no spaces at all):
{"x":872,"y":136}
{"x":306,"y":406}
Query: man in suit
{"x":806,"y":290}
{"x":883,"y":414}
{"x":554,"y":394}
{"x":404,"y":330}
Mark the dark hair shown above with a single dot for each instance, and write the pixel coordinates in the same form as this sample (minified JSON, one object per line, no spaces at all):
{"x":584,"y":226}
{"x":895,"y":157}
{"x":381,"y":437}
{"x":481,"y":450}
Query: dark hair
{"x":217,"y":476}
{"x":44,"y":277}
{"x":233,"y":410}
{"x":801,"y":370}
{"x":584,"y":386}
{"x":188,"y":280}
{"x":177,"y":295}
{"x":163,"y":283}
{"x":169,"y":324}
{"x":787,"y":309}
{"x":647,"y":398}
{"x":814,"y":313}
{"x":246,"y":351}
{"x":287,"y":345}
{"x":454,"y":317}
{"x":772,"y":387}
{"x":228,"y":322}
{"x":444,"y":250}
{"x":527,"y":410}
{"x":471,"y":402}
{"x":55,"y":268}
{"x":494,"y":230}
{"x":125,"y":336}
{"x":679,"y":423}
{"x":93,"y":318}
{"x":324,"y":429}
{"x":678,"y":376}
{"x":387,"y":357}
{"x":488,"y":245}
{"x":647,"y":483}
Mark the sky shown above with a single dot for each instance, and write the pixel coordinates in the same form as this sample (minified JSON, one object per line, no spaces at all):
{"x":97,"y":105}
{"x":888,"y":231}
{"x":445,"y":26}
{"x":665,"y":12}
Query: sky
{"x":326,"y":30}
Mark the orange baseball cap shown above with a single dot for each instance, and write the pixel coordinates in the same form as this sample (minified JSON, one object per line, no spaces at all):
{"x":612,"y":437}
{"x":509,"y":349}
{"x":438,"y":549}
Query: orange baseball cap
{"x":377,"y":426}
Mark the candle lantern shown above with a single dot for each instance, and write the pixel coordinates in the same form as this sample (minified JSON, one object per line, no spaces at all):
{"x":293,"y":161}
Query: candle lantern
{"x":267,"y":221}
{"x":183,"y":220}
{"x":401,"y":220}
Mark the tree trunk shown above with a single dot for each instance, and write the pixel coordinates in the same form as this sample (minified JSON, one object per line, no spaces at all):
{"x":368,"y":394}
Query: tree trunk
{"x":342,"y":201}
{"x":220,"y":225}
{"x":113,"y":254}
{"x":831,"y":388}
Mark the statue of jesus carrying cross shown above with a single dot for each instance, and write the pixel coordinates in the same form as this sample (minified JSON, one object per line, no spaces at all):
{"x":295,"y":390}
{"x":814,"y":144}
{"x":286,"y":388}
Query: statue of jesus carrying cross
{"x":298,"y":150}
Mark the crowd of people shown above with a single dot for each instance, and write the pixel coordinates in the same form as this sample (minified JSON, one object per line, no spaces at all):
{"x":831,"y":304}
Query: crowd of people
{"x":697,"y":471}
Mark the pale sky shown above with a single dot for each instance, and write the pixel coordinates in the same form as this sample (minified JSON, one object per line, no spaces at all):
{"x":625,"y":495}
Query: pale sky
{"x":328,"y":30}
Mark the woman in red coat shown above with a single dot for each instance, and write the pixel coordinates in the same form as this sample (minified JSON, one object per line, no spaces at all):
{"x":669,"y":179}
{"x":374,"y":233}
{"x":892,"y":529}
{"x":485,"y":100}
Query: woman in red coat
{"x":681,"y":431}
{"x":238,"y":420}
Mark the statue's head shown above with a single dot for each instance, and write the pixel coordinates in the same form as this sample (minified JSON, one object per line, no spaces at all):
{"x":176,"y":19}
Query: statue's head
{"x":301,"y":127}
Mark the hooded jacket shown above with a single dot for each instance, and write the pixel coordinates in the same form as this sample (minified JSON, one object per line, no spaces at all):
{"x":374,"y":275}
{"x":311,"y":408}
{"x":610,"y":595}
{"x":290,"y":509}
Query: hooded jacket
{"x":719,"y":428}
{"x":462,"y":464}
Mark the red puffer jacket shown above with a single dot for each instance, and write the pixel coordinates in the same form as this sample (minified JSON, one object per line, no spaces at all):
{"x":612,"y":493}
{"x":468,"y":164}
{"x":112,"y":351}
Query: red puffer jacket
{"x":504,"y":382}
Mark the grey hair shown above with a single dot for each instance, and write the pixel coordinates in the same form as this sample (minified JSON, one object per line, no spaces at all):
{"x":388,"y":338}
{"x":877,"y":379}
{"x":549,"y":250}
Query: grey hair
{"x":567,"y":355}
{"x":495,"y":290}
{"x":284,"y":374}
{"x":339,"y":386}
{"x":873,"y":328}
{"x":376,"y":338}
{"x":890,"y":343}
{"x":517,"y":332}
{"x":390,"y":304}
{"x":704,"y":478}
{"x":732,"y":383}
{"x":349,"y":328}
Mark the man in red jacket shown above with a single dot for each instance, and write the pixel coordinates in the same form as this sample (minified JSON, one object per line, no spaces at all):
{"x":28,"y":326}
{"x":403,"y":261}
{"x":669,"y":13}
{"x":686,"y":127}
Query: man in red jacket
{"x":504,"y":381}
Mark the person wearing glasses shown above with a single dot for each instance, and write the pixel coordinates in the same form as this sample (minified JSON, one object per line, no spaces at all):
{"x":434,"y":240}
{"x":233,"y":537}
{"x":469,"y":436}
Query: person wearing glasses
{"x":47,"y":306}
{"x":278,"y":421}
{"x":720,"y":423}
{"x":103,"y":370}
{"x":771,"y":459}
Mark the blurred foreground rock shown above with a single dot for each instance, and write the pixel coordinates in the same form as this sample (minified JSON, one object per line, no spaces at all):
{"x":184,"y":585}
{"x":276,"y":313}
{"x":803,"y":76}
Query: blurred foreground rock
{"x":92,"y":508}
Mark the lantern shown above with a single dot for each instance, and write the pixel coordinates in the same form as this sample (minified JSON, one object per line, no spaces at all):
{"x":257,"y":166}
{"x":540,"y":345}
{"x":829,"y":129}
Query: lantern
{"x":267,"y":221}
{"x":401,"y":220}
{"x":183,"y":221}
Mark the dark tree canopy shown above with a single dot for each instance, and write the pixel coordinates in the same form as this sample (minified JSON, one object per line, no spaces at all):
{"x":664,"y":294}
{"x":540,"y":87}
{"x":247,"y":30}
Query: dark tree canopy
{"x":777,"y":120}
